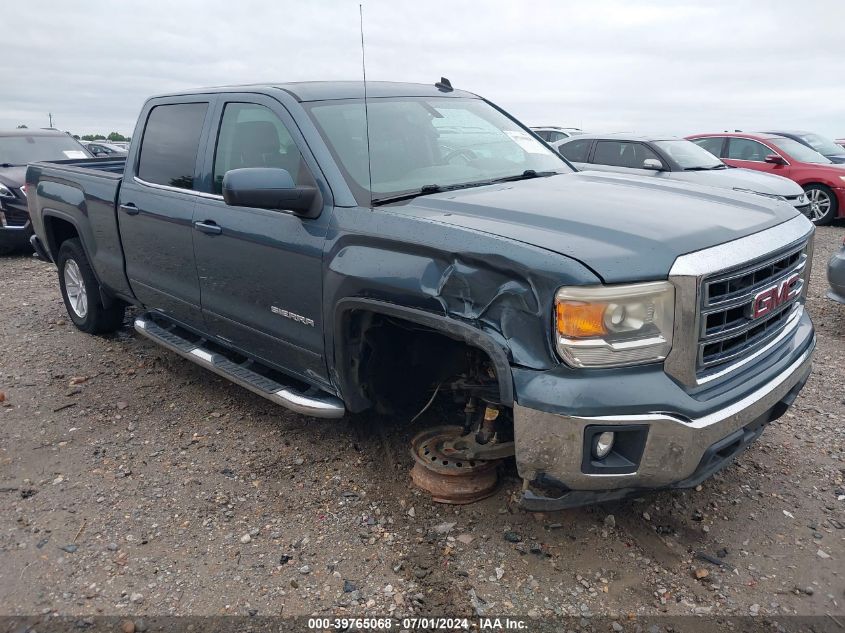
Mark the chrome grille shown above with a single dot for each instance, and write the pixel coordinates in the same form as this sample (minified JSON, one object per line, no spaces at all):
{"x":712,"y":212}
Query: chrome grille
{"x":728,"y":330}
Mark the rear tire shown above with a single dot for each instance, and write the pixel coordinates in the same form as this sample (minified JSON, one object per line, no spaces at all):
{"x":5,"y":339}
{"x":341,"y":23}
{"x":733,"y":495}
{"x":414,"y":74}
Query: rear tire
{"x":81,"y":292}
{"x":823,"y":204}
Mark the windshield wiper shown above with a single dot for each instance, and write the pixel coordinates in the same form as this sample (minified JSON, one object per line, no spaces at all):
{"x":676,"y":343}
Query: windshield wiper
{"x":526,"y":175}
{"x":702,"y":168}
{"x":427,"y":189}
{"x":9,"y":165}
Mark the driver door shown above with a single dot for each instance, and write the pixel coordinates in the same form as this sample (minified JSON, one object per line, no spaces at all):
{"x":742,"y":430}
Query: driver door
{"x":260,"y":270}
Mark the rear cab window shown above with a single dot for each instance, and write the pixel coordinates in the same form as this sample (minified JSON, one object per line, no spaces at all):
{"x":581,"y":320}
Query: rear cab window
{"x":169,"y":147}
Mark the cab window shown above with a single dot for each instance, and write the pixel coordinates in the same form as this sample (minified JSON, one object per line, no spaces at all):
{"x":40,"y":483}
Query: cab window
{"x":251,"y":135}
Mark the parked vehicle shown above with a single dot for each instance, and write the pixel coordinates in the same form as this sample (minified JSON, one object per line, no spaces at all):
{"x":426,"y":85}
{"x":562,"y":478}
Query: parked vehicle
{"x":105,"y":150}
{"x":552,"y":134}
{"x":617,"y":334}
{"x":17,"y":148}
{"x":823,"y":181}
{"x":836,"y":275}
{"x":824,"y":146}
{"x":841,"y":142}
{"x":669,"y":158}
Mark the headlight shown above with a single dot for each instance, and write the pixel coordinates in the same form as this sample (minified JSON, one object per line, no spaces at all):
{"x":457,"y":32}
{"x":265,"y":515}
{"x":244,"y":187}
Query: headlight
{"x":5,"y":192}
{"x":610,"y":326}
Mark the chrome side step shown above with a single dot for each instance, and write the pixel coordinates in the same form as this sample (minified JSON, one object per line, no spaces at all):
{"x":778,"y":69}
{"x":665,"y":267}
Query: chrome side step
{"x":313,"y":403}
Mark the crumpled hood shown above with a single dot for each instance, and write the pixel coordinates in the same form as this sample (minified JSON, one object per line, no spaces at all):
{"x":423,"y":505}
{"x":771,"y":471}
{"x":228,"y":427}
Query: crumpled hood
{"x":13,"y":176}
{"x":625,"y":228}
{"x":741,"y":178}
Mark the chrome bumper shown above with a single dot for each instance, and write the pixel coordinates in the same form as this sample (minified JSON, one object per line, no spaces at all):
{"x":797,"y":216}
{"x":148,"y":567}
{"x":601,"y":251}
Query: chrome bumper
{"x":553,"y":445}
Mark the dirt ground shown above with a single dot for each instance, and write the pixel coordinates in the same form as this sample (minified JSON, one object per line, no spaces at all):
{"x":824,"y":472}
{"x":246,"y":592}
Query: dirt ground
{"x":133,"y":482}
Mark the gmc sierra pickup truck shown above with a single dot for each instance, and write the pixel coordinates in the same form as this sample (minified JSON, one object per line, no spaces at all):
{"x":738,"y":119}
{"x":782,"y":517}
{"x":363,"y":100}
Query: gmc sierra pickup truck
{"x":334,"y":254}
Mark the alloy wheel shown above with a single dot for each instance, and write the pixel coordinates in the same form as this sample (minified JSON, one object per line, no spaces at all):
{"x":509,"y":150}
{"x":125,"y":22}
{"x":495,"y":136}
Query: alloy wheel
{"x":819,"y":204}
{"x":75,"y":289}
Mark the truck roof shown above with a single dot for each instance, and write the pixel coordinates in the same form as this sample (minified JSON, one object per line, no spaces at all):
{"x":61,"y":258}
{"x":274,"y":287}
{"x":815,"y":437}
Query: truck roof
{"x":326,"y":90}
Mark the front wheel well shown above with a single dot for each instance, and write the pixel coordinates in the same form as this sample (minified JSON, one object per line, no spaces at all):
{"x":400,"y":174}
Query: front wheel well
{"x":394,"y":364}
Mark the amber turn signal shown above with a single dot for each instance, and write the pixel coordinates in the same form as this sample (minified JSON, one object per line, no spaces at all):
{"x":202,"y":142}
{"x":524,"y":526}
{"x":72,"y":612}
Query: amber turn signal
{"x":580,"y":320}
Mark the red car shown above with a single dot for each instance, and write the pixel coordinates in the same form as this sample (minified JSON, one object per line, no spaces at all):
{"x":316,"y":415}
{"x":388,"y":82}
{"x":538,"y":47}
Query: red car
{"x":823,"y":181}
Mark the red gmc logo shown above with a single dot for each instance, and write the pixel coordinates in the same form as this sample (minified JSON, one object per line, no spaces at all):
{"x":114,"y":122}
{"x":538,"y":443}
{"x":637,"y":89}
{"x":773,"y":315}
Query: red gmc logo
{"x":769,"y":299}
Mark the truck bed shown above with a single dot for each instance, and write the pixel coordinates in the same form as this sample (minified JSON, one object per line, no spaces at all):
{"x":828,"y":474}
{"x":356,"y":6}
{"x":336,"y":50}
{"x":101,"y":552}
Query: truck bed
{"x":83,"y":193}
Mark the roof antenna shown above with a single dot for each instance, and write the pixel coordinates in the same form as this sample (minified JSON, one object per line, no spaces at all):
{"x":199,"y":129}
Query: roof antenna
{"x":366,"y":107}
{"x":444,"y":85}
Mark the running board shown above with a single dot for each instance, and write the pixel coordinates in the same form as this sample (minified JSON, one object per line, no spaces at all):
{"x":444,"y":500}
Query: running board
{"x":313,"y":403}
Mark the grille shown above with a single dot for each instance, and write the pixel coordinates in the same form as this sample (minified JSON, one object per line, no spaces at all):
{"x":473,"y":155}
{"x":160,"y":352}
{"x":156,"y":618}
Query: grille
{"x":728,"y":331}
{"x":15,"y":216}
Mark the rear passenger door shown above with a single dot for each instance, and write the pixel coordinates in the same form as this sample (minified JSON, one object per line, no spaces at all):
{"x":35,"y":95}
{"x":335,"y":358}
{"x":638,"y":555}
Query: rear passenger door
{"x":260,"y":270}
{"x":156,"y":208}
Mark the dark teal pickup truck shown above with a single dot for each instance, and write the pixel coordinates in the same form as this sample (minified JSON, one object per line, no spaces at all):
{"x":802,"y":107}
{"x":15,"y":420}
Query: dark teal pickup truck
{"x":613,"y":333}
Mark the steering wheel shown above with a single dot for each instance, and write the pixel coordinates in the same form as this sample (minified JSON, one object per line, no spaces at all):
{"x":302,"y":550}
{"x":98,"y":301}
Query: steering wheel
{"x":467,"y":153}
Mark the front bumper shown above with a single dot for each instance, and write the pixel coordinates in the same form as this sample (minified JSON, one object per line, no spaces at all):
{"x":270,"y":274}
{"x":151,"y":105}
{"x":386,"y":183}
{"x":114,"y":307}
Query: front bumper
{"x":15,"y":226}
{"x":679,"y":451}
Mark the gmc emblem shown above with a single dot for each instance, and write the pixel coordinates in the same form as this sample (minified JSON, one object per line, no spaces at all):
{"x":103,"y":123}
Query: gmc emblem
{"x":771,"y":298}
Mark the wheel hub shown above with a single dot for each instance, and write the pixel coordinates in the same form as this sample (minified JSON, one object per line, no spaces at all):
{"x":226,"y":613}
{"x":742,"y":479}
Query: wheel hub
{"x":442,"y":471}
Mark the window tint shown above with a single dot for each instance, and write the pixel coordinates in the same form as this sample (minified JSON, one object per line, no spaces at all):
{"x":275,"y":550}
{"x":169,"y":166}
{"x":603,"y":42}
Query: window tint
{"x":557,"y":136}
{"x":543,"y":134}
{"x":170,"y":144}
{"x":252,"y":136}
{"x":711,"y":144}
{"x":622,"y":154}
{"x":746,"y":149}
{"x":576,"y":151}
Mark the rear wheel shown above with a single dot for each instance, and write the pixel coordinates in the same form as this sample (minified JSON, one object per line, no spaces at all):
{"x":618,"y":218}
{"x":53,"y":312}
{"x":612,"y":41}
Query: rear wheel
{"x":823,"y":204}
{"x":81,"y":295}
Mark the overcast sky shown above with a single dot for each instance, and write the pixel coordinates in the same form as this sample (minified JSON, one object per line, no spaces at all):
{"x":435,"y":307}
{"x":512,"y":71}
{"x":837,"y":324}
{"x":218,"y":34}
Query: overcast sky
{"x":653,"y":67}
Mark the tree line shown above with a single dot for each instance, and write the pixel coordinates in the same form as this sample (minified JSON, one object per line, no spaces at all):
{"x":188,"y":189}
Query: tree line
{"x":113,"y":136}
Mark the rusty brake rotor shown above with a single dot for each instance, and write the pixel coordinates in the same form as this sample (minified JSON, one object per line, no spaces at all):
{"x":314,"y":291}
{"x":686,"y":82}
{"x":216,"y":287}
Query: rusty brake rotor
{"x":444,"y":472}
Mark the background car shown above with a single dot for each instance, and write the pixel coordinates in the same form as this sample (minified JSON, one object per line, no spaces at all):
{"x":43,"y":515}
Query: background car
{"x":101,"y":149}
{"x":841,"y":142}
{"x":551,"y":133}
{"x":823,"y":145}
{"x":17,"y":148}
{"x":674,"y":159}
{"x":836,"y":275}
{"x":823,"y":181}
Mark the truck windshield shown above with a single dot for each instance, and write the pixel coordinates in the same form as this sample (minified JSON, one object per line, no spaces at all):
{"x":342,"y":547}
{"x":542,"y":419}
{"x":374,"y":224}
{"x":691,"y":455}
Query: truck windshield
{"x":689,"y":156}
{"x":23,"y":149}
{"x":427,"y":144}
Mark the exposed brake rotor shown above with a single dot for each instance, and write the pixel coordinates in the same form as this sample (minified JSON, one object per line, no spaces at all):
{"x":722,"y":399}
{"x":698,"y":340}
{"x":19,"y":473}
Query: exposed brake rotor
{"x":444,"y":471}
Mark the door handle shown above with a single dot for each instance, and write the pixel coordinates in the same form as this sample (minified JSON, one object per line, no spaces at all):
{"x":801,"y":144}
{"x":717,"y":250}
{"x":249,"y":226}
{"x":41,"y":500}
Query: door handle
{"x":130,"y":209}
{"x":209,"y":227}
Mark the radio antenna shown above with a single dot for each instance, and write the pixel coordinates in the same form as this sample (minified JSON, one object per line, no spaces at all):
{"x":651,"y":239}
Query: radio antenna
{"x":366,"y":107}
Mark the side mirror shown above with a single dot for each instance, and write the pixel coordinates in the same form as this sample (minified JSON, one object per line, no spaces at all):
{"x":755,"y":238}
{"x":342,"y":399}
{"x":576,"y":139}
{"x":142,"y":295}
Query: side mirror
{"x":653,"y":164}
{"x":268,"y":188}
{"x":775,"y":159}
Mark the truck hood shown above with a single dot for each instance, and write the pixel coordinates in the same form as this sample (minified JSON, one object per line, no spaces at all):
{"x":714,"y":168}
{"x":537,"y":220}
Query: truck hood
{"x":741,"y":178}
{"x":625,"y":228}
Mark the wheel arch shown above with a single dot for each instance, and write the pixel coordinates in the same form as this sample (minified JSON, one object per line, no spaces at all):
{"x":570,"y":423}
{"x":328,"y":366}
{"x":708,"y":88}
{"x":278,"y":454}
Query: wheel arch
{"x":344,"y":351}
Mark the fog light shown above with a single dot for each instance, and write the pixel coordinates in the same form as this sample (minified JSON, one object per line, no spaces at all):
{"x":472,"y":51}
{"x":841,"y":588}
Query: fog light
{"x":603,"y":444}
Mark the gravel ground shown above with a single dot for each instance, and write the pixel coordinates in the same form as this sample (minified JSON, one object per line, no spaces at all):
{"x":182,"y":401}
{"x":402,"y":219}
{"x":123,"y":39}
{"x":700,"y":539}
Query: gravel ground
{"x":133,"y":482}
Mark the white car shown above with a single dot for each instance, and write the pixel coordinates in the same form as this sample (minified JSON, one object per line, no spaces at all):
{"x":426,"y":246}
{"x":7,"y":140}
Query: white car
{"x":674,"y":159}
{"x":553,"y":134}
